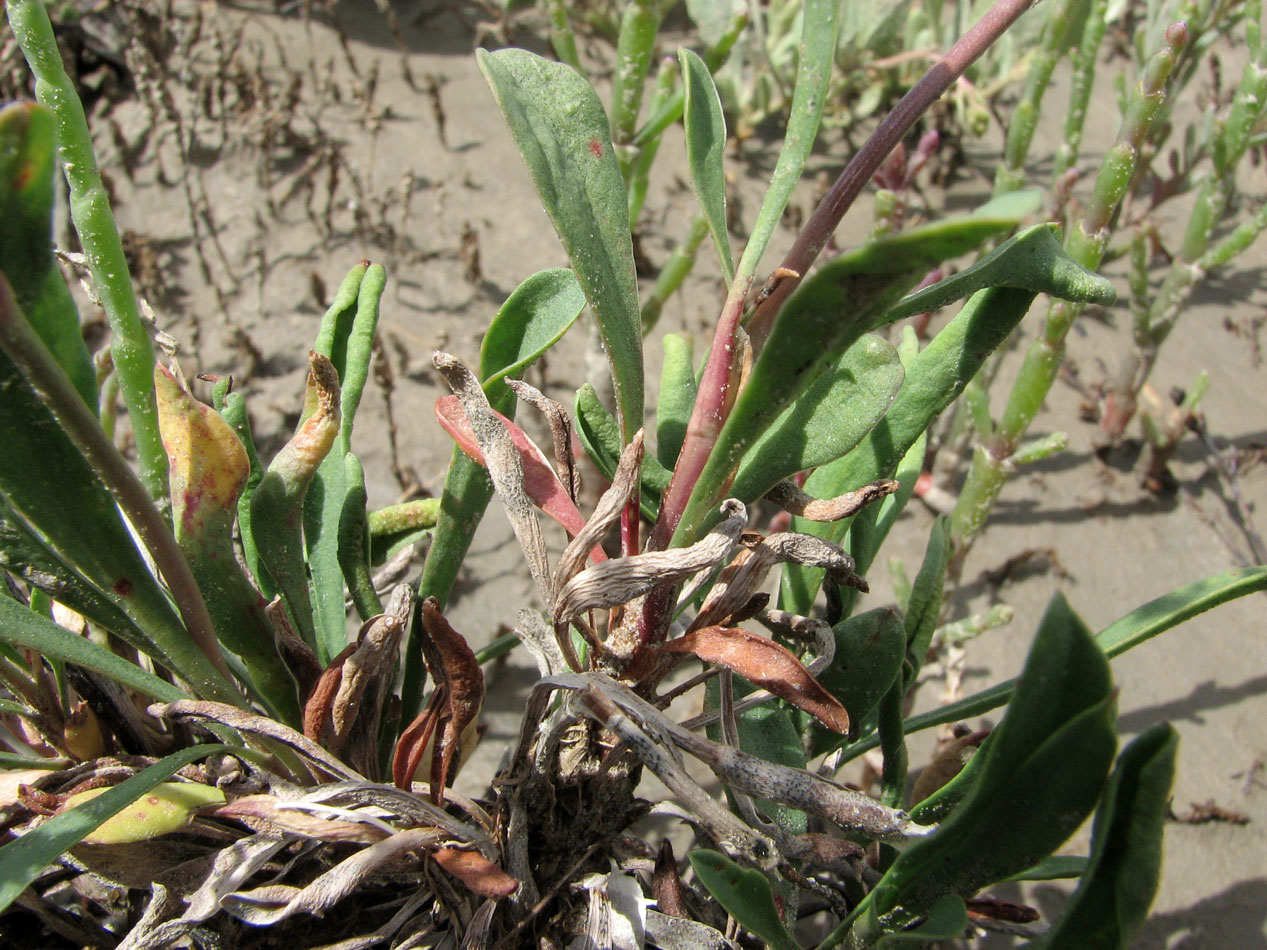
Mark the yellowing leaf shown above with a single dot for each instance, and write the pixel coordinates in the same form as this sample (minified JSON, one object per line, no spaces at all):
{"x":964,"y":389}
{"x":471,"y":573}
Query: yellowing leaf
{"x":162,"y":810}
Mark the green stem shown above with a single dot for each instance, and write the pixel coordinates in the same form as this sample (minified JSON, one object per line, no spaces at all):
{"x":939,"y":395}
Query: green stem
{"x":674,"y":271}
{"x":1010,"y":175}
{"x":1086,"y":242}
{"x":94,"y":222}
{"x":1084,"y":60}
{"x":634,"y":48}
{"x":561,"y":36}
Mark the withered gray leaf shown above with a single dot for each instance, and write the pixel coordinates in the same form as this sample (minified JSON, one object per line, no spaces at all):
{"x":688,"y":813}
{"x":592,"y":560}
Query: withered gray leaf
{"x":621,"y":579}
{"x":560,"y":431}
{"x":790,"y":497}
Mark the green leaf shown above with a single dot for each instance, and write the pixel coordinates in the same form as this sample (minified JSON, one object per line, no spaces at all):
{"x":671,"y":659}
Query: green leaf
{"x":745,"y":894}
{"x":870,"y":649}
{"x":814,"y":67}
{"x":677,"y":397}
{"x":1113,"y":898}
{"x":600,"y":437}
{"x":347,"y":338}
{"x":25,"y":628}
{"x":1041,"y":773}
{"x":947,"y":920}
{"x":1032,"y":260}
{"x":563,"y":135}
{"x":354,"y":541}
{"x":25,"y":858}
{"x":55,"y":494}
{"x":232,"y":407}
{"x":1060,"y":867}
{"x":828,"y":420}
{"x":827,"y":313}
{"x":1141,"y":624}
{"x":532,"y":320}
{"x":934,"y":379}
{"x":26,"y":241}
{"x":207,"y":469}
{"x":924,"y":607}
{"x":705,"y":142}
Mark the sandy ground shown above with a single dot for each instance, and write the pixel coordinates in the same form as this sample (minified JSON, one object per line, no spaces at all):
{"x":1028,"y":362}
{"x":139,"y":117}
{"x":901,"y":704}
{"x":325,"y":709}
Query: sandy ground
{"x":418,"y":170}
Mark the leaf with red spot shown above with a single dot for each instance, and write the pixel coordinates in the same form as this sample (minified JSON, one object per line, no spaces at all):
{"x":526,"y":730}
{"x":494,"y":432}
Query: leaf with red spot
{"x":207,"y":470}
{"x":767,"y":664}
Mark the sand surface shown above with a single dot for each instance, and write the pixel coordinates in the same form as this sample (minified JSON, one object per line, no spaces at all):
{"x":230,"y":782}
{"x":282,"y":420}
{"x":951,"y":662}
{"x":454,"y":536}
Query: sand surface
{"x":288,"y":195}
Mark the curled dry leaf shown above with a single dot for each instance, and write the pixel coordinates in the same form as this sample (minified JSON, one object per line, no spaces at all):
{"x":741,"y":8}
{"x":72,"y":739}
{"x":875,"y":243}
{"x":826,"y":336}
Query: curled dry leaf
{"x":342,"y":714}
{"x":789,"y":496}
{"x":269,"y":905}
{"x":767,"y":664}
{"x":606,"y":512}
{"x":453,"y":710}
{"x":560,"y":431}
{"x":620,"y":580}
{"x":480,"y":876}
{"x":195,"y":710}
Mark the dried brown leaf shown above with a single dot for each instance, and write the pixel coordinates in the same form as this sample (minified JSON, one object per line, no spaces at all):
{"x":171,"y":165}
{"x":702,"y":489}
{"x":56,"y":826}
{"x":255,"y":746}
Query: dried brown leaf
{"x":477,"y":873}
{"x":666,"y":883}
{"x":268,"y":814}
{"x":767,"y":664}
{"x":789,"y":496}
{"x":560,"y":432}
{"x":606,"y":513}
{"x":272,"y":904}
{"x":191,"y":710}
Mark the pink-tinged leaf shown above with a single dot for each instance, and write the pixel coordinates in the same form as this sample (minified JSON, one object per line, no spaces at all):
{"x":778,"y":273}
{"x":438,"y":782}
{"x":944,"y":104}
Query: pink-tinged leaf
{"x":768,"y":665}
{"x":481,"y":876}
{"x":540,"y":481}
{"x":207,"y":465}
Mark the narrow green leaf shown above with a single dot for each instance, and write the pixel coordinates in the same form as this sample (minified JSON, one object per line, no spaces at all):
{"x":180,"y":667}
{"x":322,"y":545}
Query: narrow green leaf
{"x":924,"y":607}
{"x":677,"y":397}
{"x":814,"y":66}
{"x":705,"y":143}
{"x":1116,"y":890}
{"x":277,"y":507}
{"x":826,"y":422}
{"x":26,"y":241}
{"x":232,"y":407}
{"x":1041,"y":774}
{"x":600,"y":437}
{"x":25,"y":858}
{"x":563,"y":135}
{"x":1060,"y":867}
{"x":347,"y":338}
{"x":24,"y":628}
{"x":1031,"y":260}
{"x":1141,"y":624}
{"x":354,"y":541}
{"x":746,"y":895}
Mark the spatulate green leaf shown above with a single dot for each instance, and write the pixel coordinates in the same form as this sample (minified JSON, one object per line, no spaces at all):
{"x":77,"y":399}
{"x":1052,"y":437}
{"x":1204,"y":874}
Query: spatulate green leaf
{"x":563,"y":135}
{"x":1041,"y":774}
{"x":746,"y":895}
{"x":828,"y":420}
